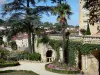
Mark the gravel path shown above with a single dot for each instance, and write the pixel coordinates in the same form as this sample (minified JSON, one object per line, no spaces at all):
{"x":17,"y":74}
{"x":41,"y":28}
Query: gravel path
{"x":36,"y":67}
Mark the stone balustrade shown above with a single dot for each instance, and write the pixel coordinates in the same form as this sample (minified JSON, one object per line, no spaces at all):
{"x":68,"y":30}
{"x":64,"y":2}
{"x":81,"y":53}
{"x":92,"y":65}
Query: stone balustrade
{"x":92,"y":39}
{"x":50,"y":59}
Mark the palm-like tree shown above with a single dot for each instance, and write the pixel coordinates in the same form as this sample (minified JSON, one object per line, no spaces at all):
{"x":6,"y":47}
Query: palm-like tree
{"x":63,"y":10}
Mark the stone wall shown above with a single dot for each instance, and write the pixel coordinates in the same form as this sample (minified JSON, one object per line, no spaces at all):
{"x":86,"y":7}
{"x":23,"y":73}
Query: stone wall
{"x":90,"y":65}
{"x":42,"y":49}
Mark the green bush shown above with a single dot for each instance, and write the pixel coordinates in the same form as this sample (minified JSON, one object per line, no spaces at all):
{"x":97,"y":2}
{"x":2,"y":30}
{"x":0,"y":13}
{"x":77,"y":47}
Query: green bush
{"x":19,"y":72}
{"x":4,"y":53}
{"x":13,"y":45}
{"x":25,"y":55}
{"x":2,"y":60}
{"x":35,"y":56}
{"x":9,"y":63}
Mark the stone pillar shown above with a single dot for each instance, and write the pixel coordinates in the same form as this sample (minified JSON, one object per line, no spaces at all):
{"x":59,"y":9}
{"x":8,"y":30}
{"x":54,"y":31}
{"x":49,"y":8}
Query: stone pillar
{"x":61,"y":55}
{"x":84,"y":63}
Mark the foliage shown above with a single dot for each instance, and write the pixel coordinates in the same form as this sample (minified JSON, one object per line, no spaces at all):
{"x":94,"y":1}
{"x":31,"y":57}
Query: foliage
{"x":87,"y":48}
{"x":83,"y":31}
{"x":16,"y":55}
{"x":35,"y":56}
{"x":44,"y":39}
{"x":55,"y":44}
{"x":57,"y":27}
{"x":88,"y":32}
{"x":61,"y":71}
{"x":4,"y":53}
{"x":2,"y":60}
{"x":26,"y":15}
{"x":25,"y":55}
{"x":1,"y":41}
{"x":94,"y":7}
{"x":1,"y":21}
{"x":9,"y":63}
{"x":19,"y":72}
{"x":47,"y":24}
{"x":13,"y":45}
{"x":63,"y":10}
{"x":73,"y":47}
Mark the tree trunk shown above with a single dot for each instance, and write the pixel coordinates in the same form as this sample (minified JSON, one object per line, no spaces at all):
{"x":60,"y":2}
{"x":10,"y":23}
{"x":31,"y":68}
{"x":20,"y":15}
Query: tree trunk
{"x":80,"y":60}
{"x":33,"y":42}
{"x":63,"y":46}
{"x":29,"y":32}
{"x":66,"y":50}
{"x":29,"y":42}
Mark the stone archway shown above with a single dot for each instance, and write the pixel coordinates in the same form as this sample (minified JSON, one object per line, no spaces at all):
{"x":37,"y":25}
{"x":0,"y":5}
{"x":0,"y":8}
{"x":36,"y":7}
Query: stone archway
{"x":96,"y":54}
{"x":49,"y":55}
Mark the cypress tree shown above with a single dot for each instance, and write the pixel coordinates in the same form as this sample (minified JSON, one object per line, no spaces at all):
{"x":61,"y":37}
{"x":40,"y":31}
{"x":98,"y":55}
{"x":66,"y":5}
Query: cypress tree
{"x":88,"y":32}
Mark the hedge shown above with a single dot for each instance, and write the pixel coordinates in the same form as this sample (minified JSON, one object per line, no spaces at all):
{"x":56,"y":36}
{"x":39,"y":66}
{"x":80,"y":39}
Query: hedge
{"x":9,"y":71}
{"x":8,"y":64}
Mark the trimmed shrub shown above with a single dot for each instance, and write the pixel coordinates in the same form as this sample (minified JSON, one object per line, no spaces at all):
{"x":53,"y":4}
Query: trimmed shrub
{"x":35,"y":56}
{"x":21,"y":72}
{"x":9,"y":63}
{"x":25,"y":55}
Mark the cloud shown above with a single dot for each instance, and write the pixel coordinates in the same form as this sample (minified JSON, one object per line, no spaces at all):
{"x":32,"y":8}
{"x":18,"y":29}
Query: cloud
{"x":2,"y":2}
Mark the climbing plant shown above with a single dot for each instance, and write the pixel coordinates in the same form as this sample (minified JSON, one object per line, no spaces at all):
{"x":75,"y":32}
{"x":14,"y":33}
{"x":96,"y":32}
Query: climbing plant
{"x":74,"y":47}
{"x":87,"y":48}
{"x":55,"y":44}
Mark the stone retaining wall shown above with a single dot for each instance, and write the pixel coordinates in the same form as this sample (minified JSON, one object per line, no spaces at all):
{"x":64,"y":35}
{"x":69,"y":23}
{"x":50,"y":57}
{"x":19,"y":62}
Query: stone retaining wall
{"x":90,"y":65}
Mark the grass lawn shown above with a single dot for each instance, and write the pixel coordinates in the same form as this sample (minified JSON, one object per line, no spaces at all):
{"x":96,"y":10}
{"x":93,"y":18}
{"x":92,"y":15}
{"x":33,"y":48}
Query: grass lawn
{"x":9,"y":72}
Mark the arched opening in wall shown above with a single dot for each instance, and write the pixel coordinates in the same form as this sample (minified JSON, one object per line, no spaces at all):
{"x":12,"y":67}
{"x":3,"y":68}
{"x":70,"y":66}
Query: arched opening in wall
{"x":49,"y":55}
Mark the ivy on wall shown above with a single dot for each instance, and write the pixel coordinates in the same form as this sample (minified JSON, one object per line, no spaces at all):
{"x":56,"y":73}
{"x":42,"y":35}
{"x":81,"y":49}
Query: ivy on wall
{"x":55,"y":44}
{"x":87,"y":48}
{"x":73,"y":48}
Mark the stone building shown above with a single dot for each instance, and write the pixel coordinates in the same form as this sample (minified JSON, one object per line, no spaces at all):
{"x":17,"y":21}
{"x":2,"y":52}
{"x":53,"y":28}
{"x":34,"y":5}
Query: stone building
{"x":84,"y":16}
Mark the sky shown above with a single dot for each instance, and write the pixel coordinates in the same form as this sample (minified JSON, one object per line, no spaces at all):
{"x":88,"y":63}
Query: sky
{"x":74,"y":19}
